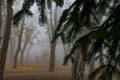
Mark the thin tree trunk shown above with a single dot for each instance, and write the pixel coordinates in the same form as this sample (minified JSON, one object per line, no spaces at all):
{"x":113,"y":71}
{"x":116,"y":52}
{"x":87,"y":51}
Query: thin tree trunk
{"x":78,"y":66}
{"x":27,"y":53}
{"x":16,"y":58}
{"x":0,"y":19}
{"x":21,"y":57}
{"x":52,"y":57}
{"x":19,"y":46}
{"x":22,"y":54}
{"x":75,"y":65}
{"x":30,"y":45}
{"x":52,"y":45}
{"x":12,"y":46}
{"x":78,"y":70}
{"x":92,"y":66}
{"x":75,"y":71}
{"x":81,"y":70}
{"x":27,"y":40}
{"x":23,"y":50}
{"x":6,"y":38}
{"x":66,"y":48}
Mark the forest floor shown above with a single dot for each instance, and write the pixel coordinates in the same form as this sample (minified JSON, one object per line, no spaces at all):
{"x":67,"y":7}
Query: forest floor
{"x":38,"y":76}
{"x":37,"y":72}
{"x":35,"y":68}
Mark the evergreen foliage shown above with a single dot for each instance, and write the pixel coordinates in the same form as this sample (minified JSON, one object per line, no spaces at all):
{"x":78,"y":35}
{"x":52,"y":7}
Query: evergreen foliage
{"x":41,"y":4}
{"x":102,"y":38}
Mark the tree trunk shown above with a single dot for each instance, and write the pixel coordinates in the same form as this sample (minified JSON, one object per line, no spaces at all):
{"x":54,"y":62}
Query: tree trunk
{"x":52,"y":45}
{"x":6,"y":38}
{"x":78,"y":70}
{"x":21,"y":57}
{"x":75,"y":65}
{"x":19,"y":46}
{"x":27,"y":40}
{"x":16,"y":58}
{"x":27,"y":53}
{"x":81,"y":70}
{"x":78,"y":66}
{"x":23,"y":51}
{"x":22,"y":54}
{"x":92,"y":66}
{"x":52,"y":57}
{"x":12,"y":46}
{"x":0,"y":19}
{"x":66,"y":48}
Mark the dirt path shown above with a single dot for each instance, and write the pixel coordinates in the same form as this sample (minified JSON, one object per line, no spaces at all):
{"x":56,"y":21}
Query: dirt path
{"x":38,"y":76}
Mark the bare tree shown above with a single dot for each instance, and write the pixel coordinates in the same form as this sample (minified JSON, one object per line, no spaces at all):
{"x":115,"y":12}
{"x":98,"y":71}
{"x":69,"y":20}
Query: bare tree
{"x":27,"y":39}
{"x":30,"y":46}
{"x":6,"y":37}
{"x":19,"y":45}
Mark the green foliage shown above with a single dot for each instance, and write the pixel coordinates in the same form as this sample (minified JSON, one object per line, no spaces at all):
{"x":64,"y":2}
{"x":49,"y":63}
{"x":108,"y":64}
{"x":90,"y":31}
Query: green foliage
{"x":97,"y":71}
{"x":75,"y":18}
{"x":59,"y":2}
{"x":24,"y":11}
{"x":102,"y":38}
{"x":105,"y":72}
{"x":41,"y":4}
{"x":41,"y":7}
{"x":82,"y":25}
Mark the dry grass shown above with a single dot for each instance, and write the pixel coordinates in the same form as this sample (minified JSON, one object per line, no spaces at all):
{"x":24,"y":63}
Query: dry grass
{"x":34,"y":68}
{"x":50,"y":76}
{"x":31,"y":72}
{"x":27,"y":68}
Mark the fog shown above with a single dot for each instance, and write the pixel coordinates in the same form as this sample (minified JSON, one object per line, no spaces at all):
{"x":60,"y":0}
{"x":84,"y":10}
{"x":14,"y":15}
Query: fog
{"x":39,"y":50}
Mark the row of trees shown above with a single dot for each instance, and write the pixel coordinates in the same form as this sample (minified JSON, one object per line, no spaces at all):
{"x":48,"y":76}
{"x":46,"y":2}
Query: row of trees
{"x":25,"y":36}
{"x":51,"y":20}
{"x":83,"y":25}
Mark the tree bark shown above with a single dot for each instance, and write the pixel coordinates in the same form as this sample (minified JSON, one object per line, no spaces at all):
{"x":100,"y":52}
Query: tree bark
{"x":6,"y":38}
{"x":27,"y":53}
{"x":27,"y":40}
{"x":78,"y":67}
{"x":52,"y":57}
{"x":78,"y":70}
{"x":81,"y":70}
{"x":19,"y":46}
{"x":92,"y":66}
{"x":12,"y":47}
{"x":52,"y":45}
{"x":75,"y":65}
{"x":22,"y":53}
{"x":0,"y":19}
{"x":66,"y":48}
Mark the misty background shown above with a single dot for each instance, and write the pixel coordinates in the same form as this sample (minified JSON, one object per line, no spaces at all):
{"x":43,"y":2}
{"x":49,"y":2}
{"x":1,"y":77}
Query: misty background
{"x":38,"y":50}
